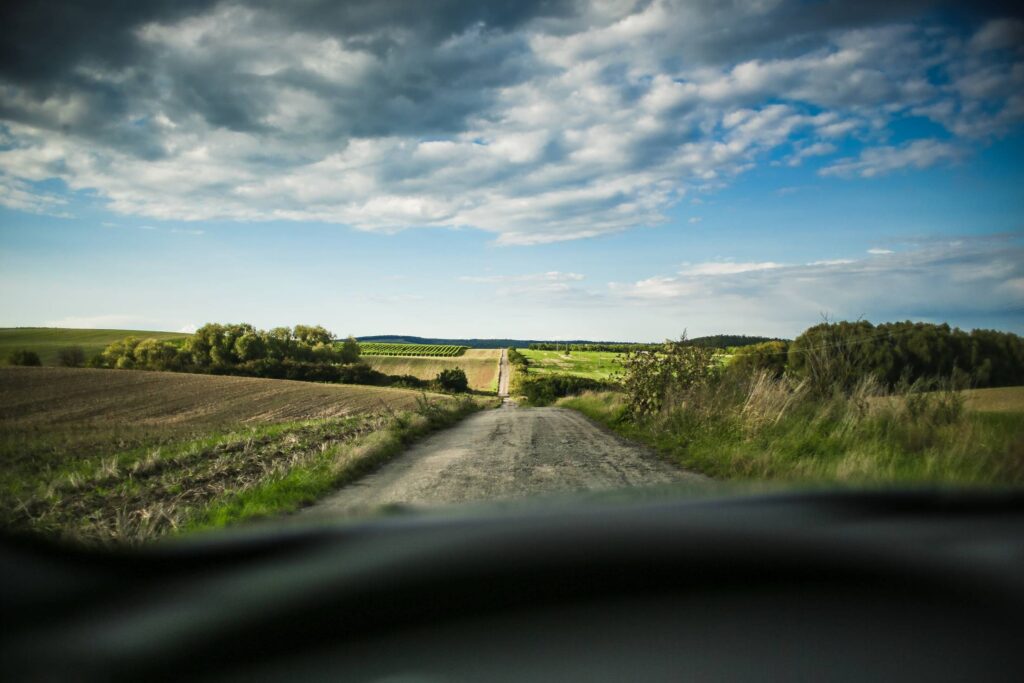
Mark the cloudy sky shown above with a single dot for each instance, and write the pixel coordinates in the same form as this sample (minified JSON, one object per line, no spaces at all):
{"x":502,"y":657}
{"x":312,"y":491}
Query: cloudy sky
{"x":607,"y":169}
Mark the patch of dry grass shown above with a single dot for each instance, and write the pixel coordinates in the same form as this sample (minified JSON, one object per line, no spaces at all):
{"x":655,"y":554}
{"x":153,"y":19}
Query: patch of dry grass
{"x":480,"y":366}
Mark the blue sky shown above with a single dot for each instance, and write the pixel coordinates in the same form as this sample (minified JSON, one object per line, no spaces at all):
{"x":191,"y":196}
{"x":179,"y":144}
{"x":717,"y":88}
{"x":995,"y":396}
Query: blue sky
{"x":601,"y":170}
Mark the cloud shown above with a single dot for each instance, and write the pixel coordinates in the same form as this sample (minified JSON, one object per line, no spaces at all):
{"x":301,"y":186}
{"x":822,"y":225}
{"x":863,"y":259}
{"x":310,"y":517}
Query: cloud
{"x":878,"y":161}
{"x":961,"y":281}
{"x":535,"y":121}
{"x":878,"y":251}
{"x":105,"y":321}
{"x":550,"y":276}
{"x":693,"y":220}
{"x":20,"y":195}
{"x":727,"y":268}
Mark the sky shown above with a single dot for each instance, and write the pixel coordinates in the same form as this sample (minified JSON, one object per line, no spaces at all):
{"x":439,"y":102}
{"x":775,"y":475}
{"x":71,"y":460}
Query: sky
{"x":603,"y":169}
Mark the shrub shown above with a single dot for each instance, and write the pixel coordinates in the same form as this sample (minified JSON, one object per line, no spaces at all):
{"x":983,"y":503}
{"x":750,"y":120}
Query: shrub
{"x":71,"y":356}
{"x":542,"y":391}
{"x":657,"y":377}
{"x":24,"y":357}
{"x":453,"y":379}
{"x":768,"y":356}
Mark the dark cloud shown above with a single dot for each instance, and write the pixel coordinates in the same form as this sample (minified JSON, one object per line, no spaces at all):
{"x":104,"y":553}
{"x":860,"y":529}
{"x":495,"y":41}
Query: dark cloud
{"x":537,"y":120}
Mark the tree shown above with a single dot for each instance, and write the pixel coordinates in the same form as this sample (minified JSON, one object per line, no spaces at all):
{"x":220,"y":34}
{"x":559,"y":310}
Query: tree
{"x":24,"y":357}
{"x":770,"y":356}
{"x":71,"y":356}
{"x":453,"y":379}
{"x":121,"y":354}
{"x":250,"y":346}
{"x":350,"y":351}
{"x":153,"y":354}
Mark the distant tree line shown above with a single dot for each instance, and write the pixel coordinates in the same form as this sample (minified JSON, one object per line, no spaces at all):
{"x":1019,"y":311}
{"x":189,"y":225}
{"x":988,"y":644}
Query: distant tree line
{"x":717,"y":341}
{"x":842,"y":353}
{"x":725,"y":341}
{"x":595,"y":346}
{"x":303,"y":352}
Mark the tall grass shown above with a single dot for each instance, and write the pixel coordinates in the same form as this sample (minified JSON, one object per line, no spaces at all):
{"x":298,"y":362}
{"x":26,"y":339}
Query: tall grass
{"x":760,"y":427}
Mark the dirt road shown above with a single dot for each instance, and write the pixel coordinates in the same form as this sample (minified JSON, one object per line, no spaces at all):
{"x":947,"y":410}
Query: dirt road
{"x":504,"y":454}
{"x":504,"y":374}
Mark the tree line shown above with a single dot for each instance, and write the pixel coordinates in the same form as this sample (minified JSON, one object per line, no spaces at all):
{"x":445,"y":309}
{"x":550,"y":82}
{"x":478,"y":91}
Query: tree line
{"x":303,"y":352}
{"x":842,"y":353}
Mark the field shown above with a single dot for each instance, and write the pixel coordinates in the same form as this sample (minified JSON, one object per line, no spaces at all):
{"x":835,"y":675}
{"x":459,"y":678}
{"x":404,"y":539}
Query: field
{"x":122,"y":455}
{"x":47,"y":341}
{"x":480,"y":366}
{"x":389,"y":349}
{"x":591,"y":364}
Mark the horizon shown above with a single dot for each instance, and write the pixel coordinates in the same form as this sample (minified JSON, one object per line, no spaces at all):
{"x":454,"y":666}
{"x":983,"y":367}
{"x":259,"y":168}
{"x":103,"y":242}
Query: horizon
{"x":548,"y":171}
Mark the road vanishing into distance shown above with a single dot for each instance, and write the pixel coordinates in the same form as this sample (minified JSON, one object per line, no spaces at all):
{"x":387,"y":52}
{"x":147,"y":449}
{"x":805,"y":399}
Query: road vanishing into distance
{"x":505,"y":454}
{"x":504,"y":374}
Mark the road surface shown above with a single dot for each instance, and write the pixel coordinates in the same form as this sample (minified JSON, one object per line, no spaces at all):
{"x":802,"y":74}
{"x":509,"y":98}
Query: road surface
{"x":504,"y":454}
{"x":504,"y":374}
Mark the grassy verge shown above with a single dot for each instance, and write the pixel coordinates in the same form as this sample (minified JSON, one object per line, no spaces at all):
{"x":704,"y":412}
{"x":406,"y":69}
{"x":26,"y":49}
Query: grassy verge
{"x":770,"y":433}
{"x":148,"y":491}
{"x":330,"y":468}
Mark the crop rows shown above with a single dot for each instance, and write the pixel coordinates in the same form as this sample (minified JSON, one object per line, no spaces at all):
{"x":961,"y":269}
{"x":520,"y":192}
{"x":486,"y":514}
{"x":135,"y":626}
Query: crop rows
{"x":386,"y":349}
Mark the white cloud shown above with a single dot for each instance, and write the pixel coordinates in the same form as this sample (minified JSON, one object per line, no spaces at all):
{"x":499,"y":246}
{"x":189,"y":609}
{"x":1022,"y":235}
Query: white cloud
{"x":833,"y":262}
{"x":550,"y":276}
{"x":878,"y":251}
{"x":693,"y":220}
{"x":554,"y":129}
{"x":877,"y":161}
{"x":727,"y":268}
{"x":948,"y":281}
{"x":123,"y":321}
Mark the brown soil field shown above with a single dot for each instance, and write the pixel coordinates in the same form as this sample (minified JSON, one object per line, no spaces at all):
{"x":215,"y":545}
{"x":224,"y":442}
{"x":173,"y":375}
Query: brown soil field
{"x":480,"y":366}
{"x":51,"y":409}
{"x":48,"y":396}
{"x":123,"y":454}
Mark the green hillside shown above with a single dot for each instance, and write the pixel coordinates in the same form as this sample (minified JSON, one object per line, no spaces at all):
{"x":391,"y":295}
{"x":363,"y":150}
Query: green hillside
{"x":47,"y":341}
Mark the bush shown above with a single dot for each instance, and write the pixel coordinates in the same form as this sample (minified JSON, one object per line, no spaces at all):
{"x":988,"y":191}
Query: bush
{"x":542,"y":391}
{"x":71,"y":356}
{"x":453,"y":379}
{"x":24,"y":357}
{"x":768,"y":356}
{"x":659,"y":377}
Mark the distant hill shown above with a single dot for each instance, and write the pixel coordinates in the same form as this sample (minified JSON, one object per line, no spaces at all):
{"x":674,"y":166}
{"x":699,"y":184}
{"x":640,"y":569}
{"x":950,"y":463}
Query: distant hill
{"x":717,"y":340}
{"x":48,"y":341}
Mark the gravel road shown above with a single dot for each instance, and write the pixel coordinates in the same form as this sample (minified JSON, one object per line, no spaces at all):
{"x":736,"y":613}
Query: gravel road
{"x":504,"y":454}
{"x":504,"y":374}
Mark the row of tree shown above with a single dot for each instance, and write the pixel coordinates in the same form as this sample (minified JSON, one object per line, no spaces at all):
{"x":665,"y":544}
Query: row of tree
{"x":218,"y":348}
{"x":304,"y":352}
{"x":842,"y":353}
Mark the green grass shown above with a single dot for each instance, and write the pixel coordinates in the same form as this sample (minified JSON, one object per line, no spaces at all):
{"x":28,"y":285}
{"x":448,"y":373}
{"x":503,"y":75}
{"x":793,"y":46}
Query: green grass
{"x":598,"y":365}
{"x":923,"y":440}
{"x":48,"y":341}
{"x":329,"y":470}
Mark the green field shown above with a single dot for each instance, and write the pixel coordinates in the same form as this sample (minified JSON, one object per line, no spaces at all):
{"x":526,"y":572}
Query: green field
{"x":389,"y":349}
{"x":598,"y":365}
{"x":48,"y":341}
